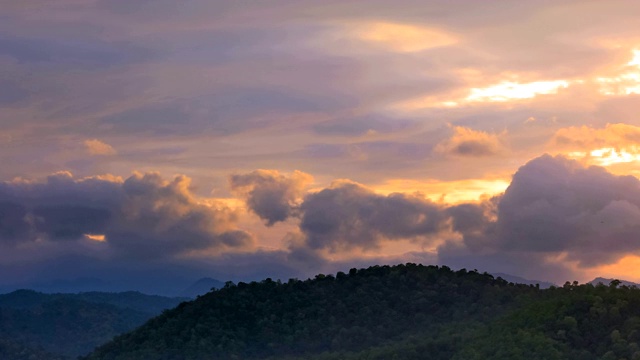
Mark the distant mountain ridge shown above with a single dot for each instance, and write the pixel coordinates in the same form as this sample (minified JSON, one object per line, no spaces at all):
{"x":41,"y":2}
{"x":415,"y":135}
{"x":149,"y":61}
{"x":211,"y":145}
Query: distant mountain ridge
{"x":201,"y":287}
{"x":605,"y":281}
{"x":69,"y":325}
{"x":518,"y":280}
{"x":83,"y":284}
{"x":407,"y":311}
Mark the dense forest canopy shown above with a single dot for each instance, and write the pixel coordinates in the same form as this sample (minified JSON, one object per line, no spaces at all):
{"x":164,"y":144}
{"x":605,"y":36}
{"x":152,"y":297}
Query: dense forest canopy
{"x":393,"y":312}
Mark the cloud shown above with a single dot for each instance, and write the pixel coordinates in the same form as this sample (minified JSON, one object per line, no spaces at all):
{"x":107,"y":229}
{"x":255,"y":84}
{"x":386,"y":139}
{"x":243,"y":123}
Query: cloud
{"x":557,"y":207}
{"x":348,"y":215}
{"x":143,"y":216}
{"x":471,"y":143}
{"x":612,"y":144}
{"x":97,"y":147}
{"x":587,"y":137}
{"x":361,"y":125}
{"x":270,"y":195}
{"x":403,"y":37}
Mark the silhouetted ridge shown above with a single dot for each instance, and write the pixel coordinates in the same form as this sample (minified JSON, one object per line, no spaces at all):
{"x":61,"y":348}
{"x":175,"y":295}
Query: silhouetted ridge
{"x":346,"y":312}
{"x":201,"y":287}
{"x":407,"y":312}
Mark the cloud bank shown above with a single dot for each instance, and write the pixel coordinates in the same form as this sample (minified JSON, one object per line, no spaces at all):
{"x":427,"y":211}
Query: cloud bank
{"x":557,"y":214}
{"x":143,"y":216}
{"x":556,"y":217}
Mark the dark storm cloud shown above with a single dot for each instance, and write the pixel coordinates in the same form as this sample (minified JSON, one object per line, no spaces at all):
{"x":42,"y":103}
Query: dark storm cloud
{"x":270,"y":195}
{"x":144,"y":216}
{"x":13,"y":222}
{"x":555,"y":210}
{"x":348,"y":215}
{"x":555,"y":205}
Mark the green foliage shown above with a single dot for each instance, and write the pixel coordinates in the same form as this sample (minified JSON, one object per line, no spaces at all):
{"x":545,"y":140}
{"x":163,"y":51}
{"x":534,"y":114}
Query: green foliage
{"x":402,"y":312}
{"x":408,"y":310}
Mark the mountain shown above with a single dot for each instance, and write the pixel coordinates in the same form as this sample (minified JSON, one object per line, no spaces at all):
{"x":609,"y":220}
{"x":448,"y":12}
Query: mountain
{"x":72,"y":324}
{"x":11,"y":350}
{"x":604,"y":281}
{"x":83,"y":284}
{"x":519,"y":280}
{"x":392,"y":312}
{"x":201,"y":287}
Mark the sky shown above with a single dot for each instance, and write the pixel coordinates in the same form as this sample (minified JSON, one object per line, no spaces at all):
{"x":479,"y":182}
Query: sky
{"x":148,"y":143}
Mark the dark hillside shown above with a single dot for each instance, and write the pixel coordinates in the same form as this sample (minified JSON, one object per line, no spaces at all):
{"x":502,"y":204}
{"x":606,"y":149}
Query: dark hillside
{"x":70,"y":324}
{"x":346,"y":313}
{"x":400,"y":312}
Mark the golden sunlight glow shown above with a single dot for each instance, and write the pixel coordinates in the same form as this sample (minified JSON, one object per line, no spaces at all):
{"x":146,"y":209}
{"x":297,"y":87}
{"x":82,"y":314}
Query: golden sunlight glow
{"x":609,"y":155}
{"x":624,"y":269}
{"x":452,"y":192}
{"x":95,"y":237}
{"x":610,"y":145}
{"x":402,"y":37}
{"x":508,"y":90}
{"x":502,"y":92}
{"x":636,"y":59}
{"x":626,"y":82}
{"x":622,"y":80}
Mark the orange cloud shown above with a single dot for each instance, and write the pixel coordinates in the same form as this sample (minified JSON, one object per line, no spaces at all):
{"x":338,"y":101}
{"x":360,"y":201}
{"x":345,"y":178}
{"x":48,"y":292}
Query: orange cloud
{"x":469,"y":142}
{"x":97,"y":147}
{"x":589,"y":137}
{"x":451,"y":192}
{"x":403,"y":37}
{"x":613,"y":144}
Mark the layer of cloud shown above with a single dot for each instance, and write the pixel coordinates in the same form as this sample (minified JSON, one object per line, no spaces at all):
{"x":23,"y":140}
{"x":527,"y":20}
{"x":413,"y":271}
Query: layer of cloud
{"x":97,"y":147}
{"x":143,"y":216}
{"x":471,"y":143}
{"x":588,"y":137}
{"x":270,"y":195}
{"x":348,"y":215}
{"x":557,"y":207}
{"x":557,"y":216}
{"x":557,"y":213}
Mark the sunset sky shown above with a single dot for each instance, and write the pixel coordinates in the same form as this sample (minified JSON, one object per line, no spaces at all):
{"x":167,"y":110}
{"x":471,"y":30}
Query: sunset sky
{"x":158,"y":140}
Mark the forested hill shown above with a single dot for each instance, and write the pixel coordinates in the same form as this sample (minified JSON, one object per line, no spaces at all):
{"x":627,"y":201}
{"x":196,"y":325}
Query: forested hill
{"x":34,"y":325}
{"x":400,"y":312}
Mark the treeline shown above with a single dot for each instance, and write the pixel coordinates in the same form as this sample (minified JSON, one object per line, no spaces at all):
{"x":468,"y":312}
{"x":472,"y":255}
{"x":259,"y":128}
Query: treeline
{"x":380,"y":308}
{"x":393,"y":312}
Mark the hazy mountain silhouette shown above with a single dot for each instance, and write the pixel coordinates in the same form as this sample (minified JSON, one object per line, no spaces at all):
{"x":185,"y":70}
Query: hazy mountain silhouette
{"x":518,"y":280}
{"x":392,"y":312}
{"x":72,"y":324}
{"x":605,"y":281}
{"x":201,"y":287}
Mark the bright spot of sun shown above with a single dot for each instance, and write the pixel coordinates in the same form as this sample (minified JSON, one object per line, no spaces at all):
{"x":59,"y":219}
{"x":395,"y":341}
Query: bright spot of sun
{"x":95,"y":237}
{"x":509,"y":90}
{"x":609,"y":155}
{"x":404,"y":38}
{"x":636,"y":59}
